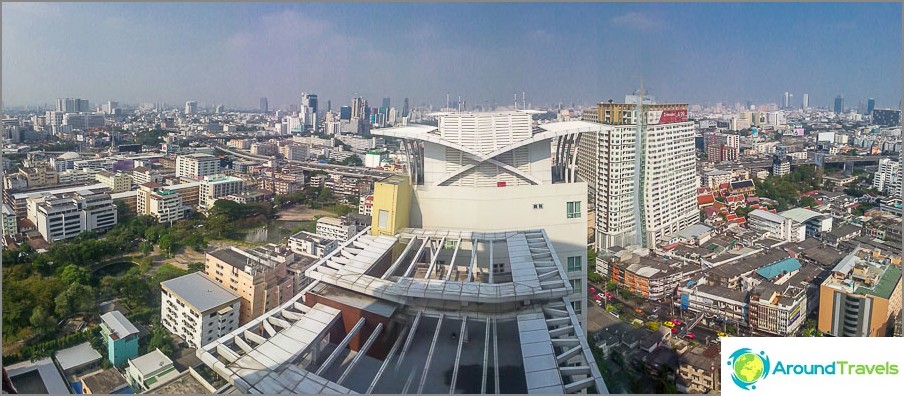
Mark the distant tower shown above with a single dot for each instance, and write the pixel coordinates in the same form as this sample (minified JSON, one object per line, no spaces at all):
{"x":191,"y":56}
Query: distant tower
{"x":870,"y":105}
{"x":405,"y":108}
{"x":265,"y":106}
{"x":191,"y":107}
{"x":786,"y":100}
{"x":806,"y":101}
{"x":839,"y":104}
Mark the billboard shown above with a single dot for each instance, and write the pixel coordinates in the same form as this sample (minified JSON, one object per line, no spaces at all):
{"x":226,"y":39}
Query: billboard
{"x":670,"y":116}
{"x":798,"y":131}
{"x":826,"y":137}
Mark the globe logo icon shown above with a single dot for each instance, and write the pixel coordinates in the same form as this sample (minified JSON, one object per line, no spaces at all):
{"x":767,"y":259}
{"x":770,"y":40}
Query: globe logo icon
{"x":748,"y":367}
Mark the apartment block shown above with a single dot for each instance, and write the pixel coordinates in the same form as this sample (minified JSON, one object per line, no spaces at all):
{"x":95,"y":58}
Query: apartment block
{"x":197,"y":166}
{"x":861,"y":296}
{"x":64,"y":216}
{"x":311,"y":245}
{"x":261,"y":282}
{"x":197,"y":309}
{"x":118,"y":182}
{"x":218,"y":186}
{"x":339,"y":230}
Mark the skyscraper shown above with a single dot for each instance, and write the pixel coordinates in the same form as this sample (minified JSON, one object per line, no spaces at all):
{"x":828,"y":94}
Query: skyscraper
{"x":806,"y":101}
{"x":870,"y":105}
{"x":786,"y":100}
{"x":839,"y":104}
{"x":640,"y":170}
{"x":308,"y":109}
{"x":359,"y":108}
{"x":405,"y":108}
{"x":345,"y":113}
{"x":265,"y":106}
{"x":385,"y":103}
{"x":70,"y":105}
{"x":191,"y":107}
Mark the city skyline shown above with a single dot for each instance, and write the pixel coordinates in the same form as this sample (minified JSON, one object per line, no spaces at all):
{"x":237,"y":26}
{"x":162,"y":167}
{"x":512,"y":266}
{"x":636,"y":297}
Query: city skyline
{"x":235,"y":53}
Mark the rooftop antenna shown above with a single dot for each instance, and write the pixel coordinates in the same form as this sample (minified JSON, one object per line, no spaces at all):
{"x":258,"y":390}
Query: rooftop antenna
{"x":523,"y":102}
{"x":459,"y":103}
{"x":447,"y":100}
{"x":516,"y":102}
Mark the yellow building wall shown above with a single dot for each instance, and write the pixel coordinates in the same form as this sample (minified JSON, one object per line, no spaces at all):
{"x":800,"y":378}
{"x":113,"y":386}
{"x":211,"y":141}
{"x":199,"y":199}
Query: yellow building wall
{"x":393,"y":196}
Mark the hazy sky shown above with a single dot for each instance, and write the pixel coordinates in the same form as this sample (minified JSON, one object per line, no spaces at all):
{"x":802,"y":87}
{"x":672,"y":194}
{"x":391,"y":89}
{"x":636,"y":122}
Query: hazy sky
{"x":234,"y":53}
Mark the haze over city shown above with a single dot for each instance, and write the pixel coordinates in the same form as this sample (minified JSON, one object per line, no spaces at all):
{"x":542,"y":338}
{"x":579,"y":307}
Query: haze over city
{"x":233,"y":53}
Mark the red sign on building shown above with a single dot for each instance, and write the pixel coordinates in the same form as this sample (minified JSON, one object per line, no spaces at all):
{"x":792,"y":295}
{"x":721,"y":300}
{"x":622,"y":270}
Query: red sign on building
{"x":670,"y":116}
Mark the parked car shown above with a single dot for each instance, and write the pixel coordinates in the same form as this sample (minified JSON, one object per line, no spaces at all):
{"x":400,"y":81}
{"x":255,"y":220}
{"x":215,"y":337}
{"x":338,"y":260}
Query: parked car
{"x":690,"y":335}
{"x":721,"y":334}
{"x":653,"y":317}
{"x":674,"y":330}
{"x":668,"y":324}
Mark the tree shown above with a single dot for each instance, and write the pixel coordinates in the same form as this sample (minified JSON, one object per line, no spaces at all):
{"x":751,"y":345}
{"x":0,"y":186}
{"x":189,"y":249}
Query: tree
{"x":161,"y":340}
{"x":167,"y":272}
{"x":42,"y":322}
{"x":166,"y":244}
{"x":195,"y":267}
{"x":77,"y":298}
{"x":73,"y":274}
{"x":807,"y":201}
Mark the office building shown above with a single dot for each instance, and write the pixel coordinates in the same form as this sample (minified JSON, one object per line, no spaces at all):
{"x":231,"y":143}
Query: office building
{"x":141,"y":175}
{"x":262,"y":282}
{"x":197,"y":166}
{"x":839,"y":104}
{"x":118,"y":182}
{"x":420,"y":312}
{"x":805,"y":103}
{"x":307,"y":112}
{"x":345,"y":113}
{"x":489,"y":172}
{"x":786,"y":100}
{"x":870,"y":105}
{"x":218,"y":186}
{"x":64,"y":216}
{"x":777,"y":310}
{"x":191,"y":107}
{"x":197,"y":309}
{"x":264,"y":148}
{"x":776,"y":226}
{"x":121,"y":337}
{"x":162,"y":203}
{"x":405,"y":109}
{"x":70,"y":105}
{"x":264,"y":106}
{"x":888,"y":178}
{"x":861,"y":297}
{"x":641,"y":176}
{"x":294,"y":152}
{"x":336,"y":229}
{"x":886,"y":117}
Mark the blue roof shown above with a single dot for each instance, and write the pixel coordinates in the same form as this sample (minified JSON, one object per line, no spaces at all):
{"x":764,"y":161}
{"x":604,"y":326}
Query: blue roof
{"x":779,"y":267}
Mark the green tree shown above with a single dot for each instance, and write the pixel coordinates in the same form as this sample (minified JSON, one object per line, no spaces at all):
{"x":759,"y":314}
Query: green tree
{"x":167,"y":272}
{"x":146,"y":248}
{"x":77,"y":298}
{"x":167,"y":245}
{"x":161,"y":339}
{"x":73,"y":274}
{"x":195,"y":267}
{"x":42,"y":322}
{"x":807,"y":202}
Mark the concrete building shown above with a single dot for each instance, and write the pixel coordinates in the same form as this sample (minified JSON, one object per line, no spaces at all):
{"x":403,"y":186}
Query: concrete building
{"x":339,"y":230}
{"x":84,"y":121}
{"x":40,"y":176}
{"x":423,"y":311}
{"x":118,"y":182}
{"x":121,"y":337}
{"x":143,"y":175}
{"x":149,"y":371}
{"x":162,"y":203}
{"x":861,"y":296}
{"x":714,"y":178}
{"x":776,"y":226}
{"x":191,"y":107}
{"x":489,"y":172}
{"x":262,"y":283}
{"x":197,"y":166}
{"x":197,"y":309}
{"x":9,"y":220}
{"x":640,"y":175}
{"x":105,"y":382}
{"x":40,"y":377}
{"x":294,"y":152}
{"x":781,"y":165}
{"x":217,"y":186}
{"x":264,"y":148}
{"x":777,"y":310}
{"x":77,"y":360}
{"x":59,"y":217}
{"x":366,"y":205}
{"x":311,"y":245}
{"x":888,"y":178}
{"x":699,"y":371}
{"x":813,"y":222}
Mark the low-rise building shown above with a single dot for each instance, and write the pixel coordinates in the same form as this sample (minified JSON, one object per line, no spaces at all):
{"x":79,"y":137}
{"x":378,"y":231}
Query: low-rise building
{"x":9,"y":220}
{"x":699,"y":371}
{"x":105,"y":382}
{"x":118,"y":182}
{"x":771,"y":224}
{"x":197,"y":309}
{"x":337,"y":229}
{"x":777,"y":310}
{"x":651,"y":277}
{"x":150,"y":371}
{"x":67,"y":215}
{"x":216,"y":187}
{"x":78,"y":360}
{"x":311,"y":245}
{"x":121,"y":337}
{"x":365,"y":205}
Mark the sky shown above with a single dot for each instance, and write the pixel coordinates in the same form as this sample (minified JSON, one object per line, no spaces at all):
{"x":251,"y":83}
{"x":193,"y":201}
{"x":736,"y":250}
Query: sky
{"x":235,"y":53}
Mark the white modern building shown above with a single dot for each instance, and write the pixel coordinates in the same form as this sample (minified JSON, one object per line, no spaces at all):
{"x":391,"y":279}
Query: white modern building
{"x":641,"y":175}
{"x":336,"y":229}
{"x":197,"y":309}
{"x":311,"y":245}
{"x":776,"y":226}
{"x":149,"y":371}
{"x":489,"y":172}
{"x":216,"y":186}
{"x":888,"y":178}
{"x":118,"y":182}
{"x":10,"y":226}
{"x":64,"y":216}
{"x":191,"y":107}
{"x":197,"y":165}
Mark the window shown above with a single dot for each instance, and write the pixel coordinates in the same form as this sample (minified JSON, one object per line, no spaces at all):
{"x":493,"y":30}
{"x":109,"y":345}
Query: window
{"x":383,"y":219}
{"x":574,"y":263}
{"x":574,"y":210}
{"x":574,"y":283}
{"x":538,"y":206}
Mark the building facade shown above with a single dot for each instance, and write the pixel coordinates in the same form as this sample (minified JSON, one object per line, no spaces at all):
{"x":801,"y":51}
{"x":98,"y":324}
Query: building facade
{"x":118,"y":182}
{"x":121,"y":337}
{"x":67,"y":215}
{"x":218,"y":186}
{"x":888,"y":178}
{"x":641,"y":170}
{"x":262,"y":283}
{"x":861,"y":297}
{"x":197,"y":166}
{"x":197,"y":309}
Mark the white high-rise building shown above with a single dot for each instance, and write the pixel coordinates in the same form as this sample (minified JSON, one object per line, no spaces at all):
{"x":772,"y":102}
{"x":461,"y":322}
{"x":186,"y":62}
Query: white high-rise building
{"x":888,"y":178}
{"x":217,"y":186}
{"x":806,"y":101}
{"x":197,"y":165}
{"x":493,"y":172}
{"x":191,"y":107}
{"x":67,"y":215}
{"x":641,"y":177}
{"x":197,"y":309}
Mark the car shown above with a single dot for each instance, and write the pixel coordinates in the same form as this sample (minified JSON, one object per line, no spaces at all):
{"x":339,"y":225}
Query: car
{"x":721,"y":334}
{"x":638,"y":310}
{"x":592,"y":290}
{"x":600,"y":303}
{"x":608,"y":295}
{"x":653,"y":317}
{"x":615,"y":314}
{"x":689,"y":335}
{"x":676,"y":322}
{"x":601,"y":295}
{"x":668,"y":324}
{"x":674,"y":330}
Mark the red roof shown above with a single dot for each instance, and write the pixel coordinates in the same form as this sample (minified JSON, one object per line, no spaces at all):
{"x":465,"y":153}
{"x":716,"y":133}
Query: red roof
{"x":705,"y":199}
{"x":703,"y":190}
{"x":731,"y":217}
{"x":810,"y":193}
{"x":724,"y":186}
{"x":735,"y":198}
{"x":672,"y":246}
